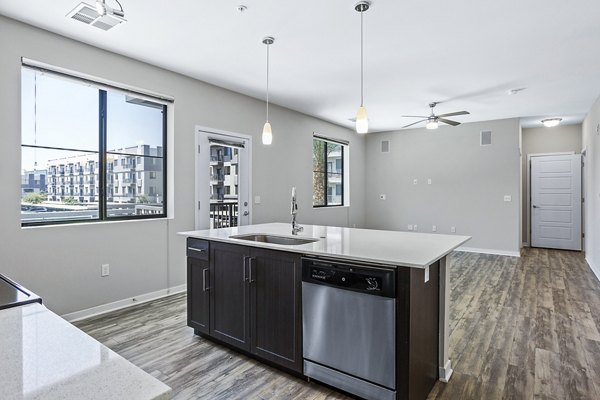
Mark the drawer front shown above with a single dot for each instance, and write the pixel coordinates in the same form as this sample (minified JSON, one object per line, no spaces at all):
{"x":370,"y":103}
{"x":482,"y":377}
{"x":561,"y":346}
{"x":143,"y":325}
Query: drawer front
{"x":197,"y":248}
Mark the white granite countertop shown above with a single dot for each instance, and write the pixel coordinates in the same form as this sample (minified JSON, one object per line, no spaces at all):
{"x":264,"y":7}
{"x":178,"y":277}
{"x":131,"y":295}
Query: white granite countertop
{"x":44,"y":357}
{"x":410,"y":249}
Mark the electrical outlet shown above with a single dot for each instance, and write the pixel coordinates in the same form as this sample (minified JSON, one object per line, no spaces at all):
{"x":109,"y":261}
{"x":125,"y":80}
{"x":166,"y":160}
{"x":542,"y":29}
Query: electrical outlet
{"x":105,"y":271}
{"x":415,"y":227}
{"x":453,"y":229}
{"x":507,"y":198}
{"x":382,"y":196}
{"x":434,"y":228}
{"x":256,"y":199}
{"x":410,"y":227}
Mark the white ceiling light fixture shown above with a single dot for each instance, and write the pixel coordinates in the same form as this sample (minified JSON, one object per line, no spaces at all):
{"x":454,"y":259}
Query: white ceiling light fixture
{"x":362,"y":121}
{"x":432,"y":124}
{"x":551,"y":122}
{"x":267,"y":133}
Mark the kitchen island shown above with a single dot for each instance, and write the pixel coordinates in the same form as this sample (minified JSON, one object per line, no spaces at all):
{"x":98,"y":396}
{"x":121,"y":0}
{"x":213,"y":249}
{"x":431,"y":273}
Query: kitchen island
{"x":246,"y":286}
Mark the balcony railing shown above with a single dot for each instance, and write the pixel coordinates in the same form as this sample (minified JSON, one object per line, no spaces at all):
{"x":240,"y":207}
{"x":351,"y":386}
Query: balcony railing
{"x":223,"y":215}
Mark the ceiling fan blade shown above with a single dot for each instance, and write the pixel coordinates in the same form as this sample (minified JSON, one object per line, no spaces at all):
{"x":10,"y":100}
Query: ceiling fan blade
{"x":452,"y":114}
{"x":448,"y":121}
{"x":414,"y":123}
{"x":415,"y":116}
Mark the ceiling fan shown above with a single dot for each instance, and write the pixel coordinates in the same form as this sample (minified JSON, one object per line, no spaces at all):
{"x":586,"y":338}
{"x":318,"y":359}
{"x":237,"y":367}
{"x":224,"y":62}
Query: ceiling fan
{"x":434,"y":120}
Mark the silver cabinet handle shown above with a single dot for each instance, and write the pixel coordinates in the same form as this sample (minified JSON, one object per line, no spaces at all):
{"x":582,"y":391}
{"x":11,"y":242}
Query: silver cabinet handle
{"x":244,"y":263}
{"x":197,"y":250}
{"x":250,"y":269}
{"x":204,"y":279}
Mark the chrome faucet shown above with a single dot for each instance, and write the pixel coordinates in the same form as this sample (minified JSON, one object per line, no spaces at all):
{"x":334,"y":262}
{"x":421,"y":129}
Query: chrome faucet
{"x":295,"y":227}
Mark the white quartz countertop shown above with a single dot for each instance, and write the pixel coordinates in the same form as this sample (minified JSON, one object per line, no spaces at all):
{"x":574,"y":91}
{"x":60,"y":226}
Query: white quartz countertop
{"x":44,"y":357}
{"x":410,"y":249}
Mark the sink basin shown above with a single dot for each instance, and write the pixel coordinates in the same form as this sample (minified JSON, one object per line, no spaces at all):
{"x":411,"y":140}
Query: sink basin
{"x":289,"y":241}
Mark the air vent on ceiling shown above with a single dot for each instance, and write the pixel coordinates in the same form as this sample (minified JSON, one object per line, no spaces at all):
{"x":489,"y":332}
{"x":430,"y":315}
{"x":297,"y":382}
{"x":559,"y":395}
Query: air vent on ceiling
{"x":88,"y":15}
{"x":385,"y":146}
{"x":486,"y":138}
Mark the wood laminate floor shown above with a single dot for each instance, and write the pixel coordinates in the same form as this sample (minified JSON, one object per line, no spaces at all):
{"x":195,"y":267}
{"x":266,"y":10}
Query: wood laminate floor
{"x":521,"y":328}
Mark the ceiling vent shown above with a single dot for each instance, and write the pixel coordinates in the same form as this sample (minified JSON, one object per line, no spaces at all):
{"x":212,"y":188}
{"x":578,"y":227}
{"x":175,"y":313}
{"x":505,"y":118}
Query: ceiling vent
{"x":88,"y":15}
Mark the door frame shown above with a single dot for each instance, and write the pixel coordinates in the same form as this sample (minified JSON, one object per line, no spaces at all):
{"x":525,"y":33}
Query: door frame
{"x":201,"y":136}
{"x":529,"y":157}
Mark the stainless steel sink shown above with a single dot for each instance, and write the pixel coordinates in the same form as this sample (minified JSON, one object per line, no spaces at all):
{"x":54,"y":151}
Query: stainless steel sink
{"x":289,"y":241}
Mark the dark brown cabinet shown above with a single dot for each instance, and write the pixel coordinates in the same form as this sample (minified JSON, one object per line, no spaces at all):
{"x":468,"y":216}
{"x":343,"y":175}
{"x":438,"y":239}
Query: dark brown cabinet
{"x":275,"y":304}
{"x":229,"y":294}
{"x":198,"y":300}
{"x":249,"y":298}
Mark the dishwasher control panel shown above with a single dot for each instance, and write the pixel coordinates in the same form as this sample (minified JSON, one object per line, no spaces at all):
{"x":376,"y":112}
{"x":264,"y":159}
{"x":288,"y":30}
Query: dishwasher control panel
{"x":359,"y":278}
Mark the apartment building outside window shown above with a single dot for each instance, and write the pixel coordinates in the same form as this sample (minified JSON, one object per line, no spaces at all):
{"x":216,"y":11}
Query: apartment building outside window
{"x":328,"y":172}
{"x":97,"y":148}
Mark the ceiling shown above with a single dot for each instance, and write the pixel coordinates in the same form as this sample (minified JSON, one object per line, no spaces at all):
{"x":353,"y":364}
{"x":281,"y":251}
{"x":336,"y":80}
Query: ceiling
{"x":466,"y":54}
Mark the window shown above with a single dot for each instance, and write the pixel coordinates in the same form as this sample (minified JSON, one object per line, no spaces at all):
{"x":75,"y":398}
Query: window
{"x":328,"y":173}
{"x":88,"y":140}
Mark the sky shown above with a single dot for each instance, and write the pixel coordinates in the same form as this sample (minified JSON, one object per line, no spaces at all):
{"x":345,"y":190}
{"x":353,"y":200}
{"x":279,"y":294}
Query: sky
{"x":67,"y":117}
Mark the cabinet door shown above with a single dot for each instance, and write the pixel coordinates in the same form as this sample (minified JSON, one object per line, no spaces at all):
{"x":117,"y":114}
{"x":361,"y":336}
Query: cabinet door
{"x":275,"y":290}
{"x":198,"y":294}
{"x":229,"y":297}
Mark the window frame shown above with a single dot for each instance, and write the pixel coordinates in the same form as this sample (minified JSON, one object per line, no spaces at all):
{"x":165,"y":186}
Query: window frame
{"x":343,"y":146}
{"x":103,"y":153}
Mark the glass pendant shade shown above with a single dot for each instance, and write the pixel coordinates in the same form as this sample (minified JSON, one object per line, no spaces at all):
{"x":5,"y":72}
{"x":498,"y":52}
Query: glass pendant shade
{"x":267,"y":134}
{"x":362,"y":121}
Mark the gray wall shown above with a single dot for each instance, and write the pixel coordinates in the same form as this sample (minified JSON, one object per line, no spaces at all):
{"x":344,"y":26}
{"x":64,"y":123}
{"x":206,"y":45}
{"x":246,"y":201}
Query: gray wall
{"x":591,"y":184}
{"x":62,"y":263}
{"x":468,"y":182}
{"x":561,"y":138}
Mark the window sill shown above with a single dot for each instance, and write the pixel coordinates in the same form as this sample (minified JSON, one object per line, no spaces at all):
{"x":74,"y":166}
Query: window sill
{"x":96,"y":223}
{"x":330,"y":207}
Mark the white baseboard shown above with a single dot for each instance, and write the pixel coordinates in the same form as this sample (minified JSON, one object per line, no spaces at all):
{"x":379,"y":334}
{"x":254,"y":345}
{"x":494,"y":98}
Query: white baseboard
{"x":593,"y":267}
{"x":489,"y":251}
{"x":119,"y":304}
{"x":445,"y":372}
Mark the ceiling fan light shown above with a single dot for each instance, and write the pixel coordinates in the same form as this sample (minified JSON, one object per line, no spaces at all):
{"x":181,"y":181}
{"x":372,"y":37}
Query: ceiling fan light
{"x":551,"y":122}
{"x":362,"y":121}
{"x":432,"y":125}
{"x":101,"y":7}
{"x":267,"y":134}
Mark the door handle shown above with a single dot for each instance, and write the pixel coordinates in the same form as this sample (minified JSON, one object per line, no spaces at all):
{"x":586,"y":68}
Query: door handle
{"x":534,"y":206}
{"x":204,"y":279}
{"x":244,"y":264}
{"x":250,"y":264}
{"x":246,"y":213}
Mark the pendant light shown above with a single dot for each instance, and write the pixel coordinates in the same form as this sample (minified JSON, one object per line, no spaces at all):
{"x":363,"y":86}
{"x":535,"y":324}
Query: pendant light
{"x":362,"y":121}
{"x":267,"y":133}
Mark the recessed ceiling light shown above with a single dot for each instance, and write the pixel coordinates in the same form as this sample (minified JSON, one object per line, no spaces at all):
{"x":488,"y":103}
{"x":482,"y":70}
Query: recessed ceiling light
{"x":551,"y":122}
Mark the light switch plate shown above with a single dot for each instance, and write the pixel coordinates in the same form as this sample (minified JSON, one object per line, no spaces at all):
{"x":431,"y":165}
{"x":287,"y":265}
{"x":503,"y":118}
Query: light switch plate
{"x":410,"y":227}
{"x":453,"y":229}
{"x":105,"y":271}
{"x":256,"y":199}
{"x":429,"y":181}
{"x":415,"y":181}
{"x":434,"y":228}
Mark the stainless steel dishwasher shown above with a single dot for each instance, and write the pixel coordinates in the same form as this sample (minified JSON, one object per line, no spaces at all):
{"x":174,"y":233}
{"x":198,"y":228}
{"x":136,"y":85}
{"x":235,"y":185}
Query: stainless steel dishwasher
{"x":349,"y":327}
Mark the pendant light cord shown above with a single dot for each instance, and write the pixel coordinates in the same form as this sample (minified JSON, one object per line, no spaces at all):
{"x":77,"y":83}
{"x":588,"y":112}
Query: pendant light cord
{"x":268,"y":82}
{"x":361,"y":60}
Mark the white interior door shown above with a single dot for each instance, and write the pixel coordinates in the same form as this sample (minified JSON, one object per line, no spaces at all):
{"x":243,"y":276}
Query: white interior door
{"x":556,"y":201}
{"x":223,"y":176}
